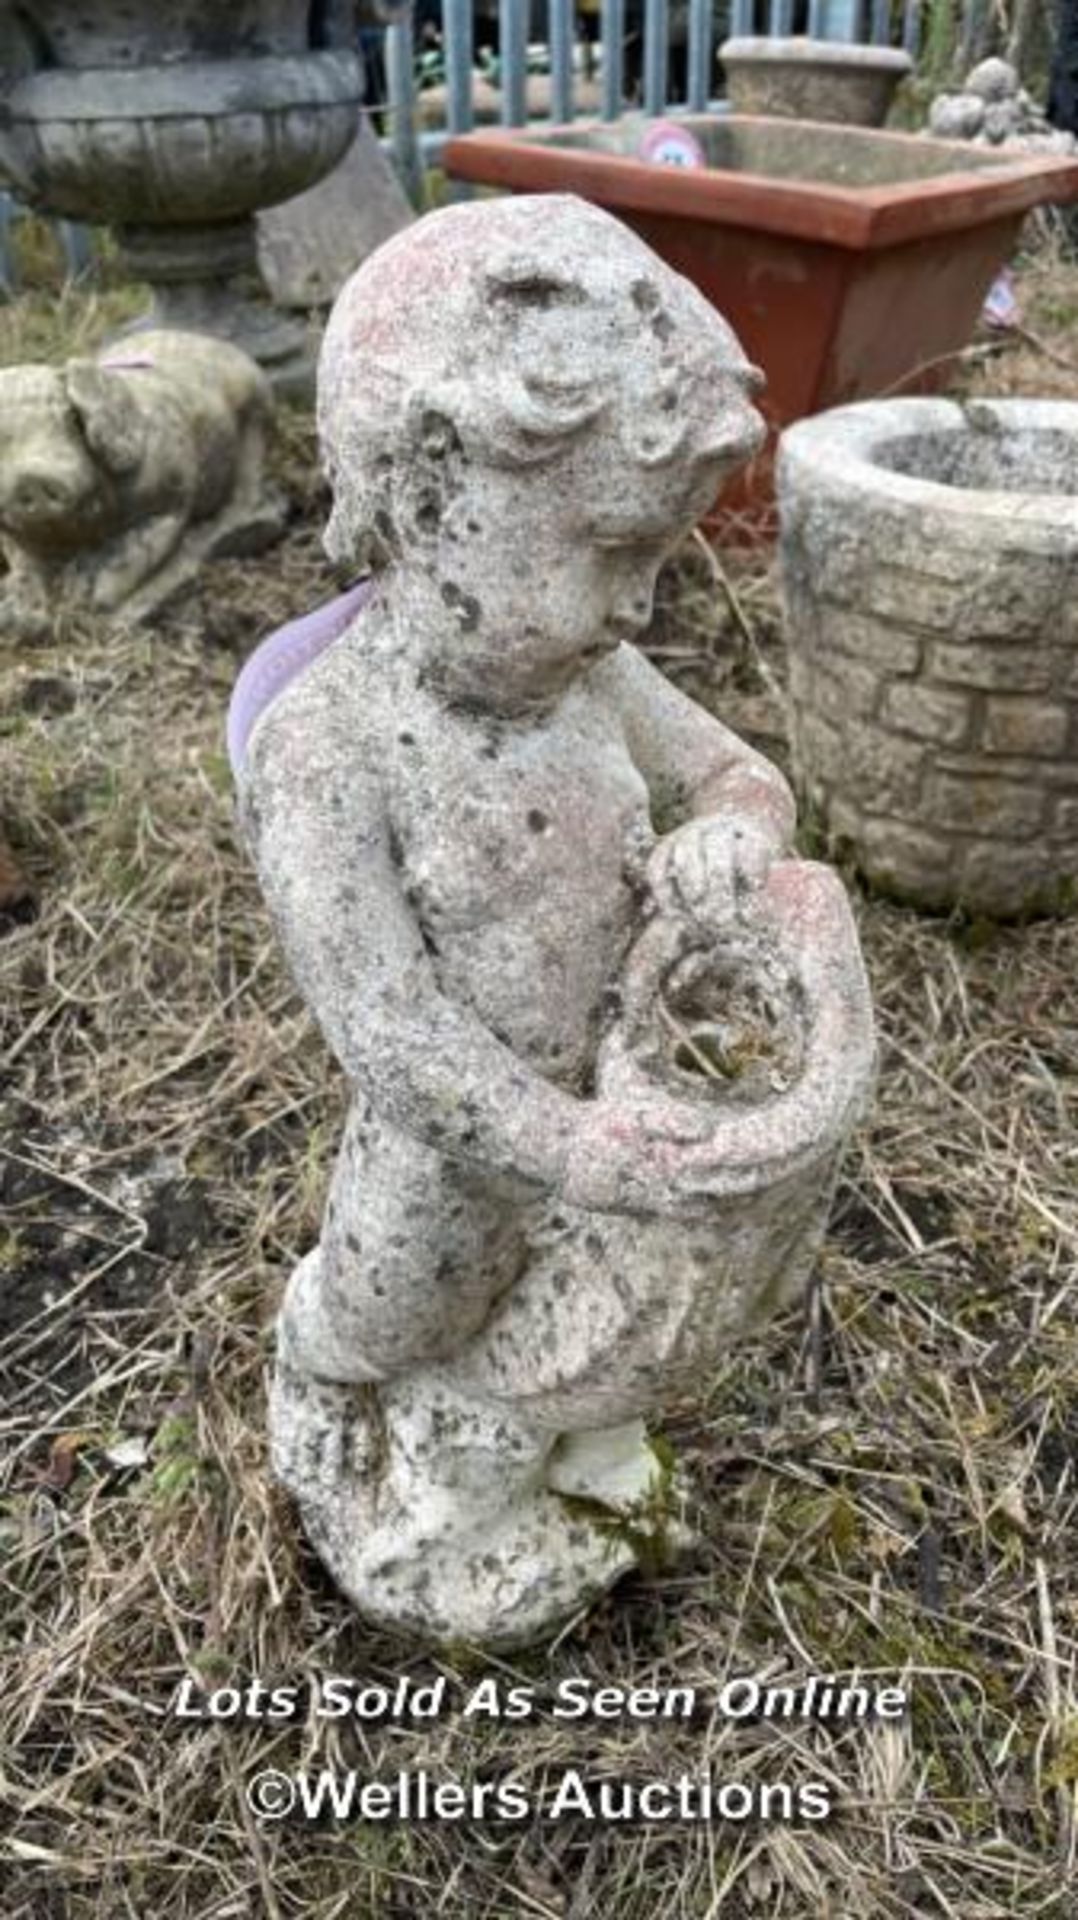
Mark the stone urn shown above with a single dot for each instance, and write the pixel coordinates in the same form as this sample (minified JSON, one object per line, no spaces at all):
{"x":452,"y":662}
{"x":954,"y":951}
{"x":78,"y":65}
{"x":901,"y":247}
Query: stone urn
{"x":174,"y":125}
{"x":802,"y":79}
{"x":929,"y":558}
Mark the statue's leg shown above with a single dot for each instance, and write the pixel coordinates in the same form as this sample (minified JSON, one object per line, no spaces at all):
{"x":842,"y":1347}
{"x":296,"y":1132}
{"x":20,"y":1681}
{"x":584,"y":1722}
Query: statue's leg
{"x":253,"y":513}
{"x":429,"y":1503}
{"x":27,"y":595}
{"x":147,"y":558}
{"x":248,"y":488}
{"x":413,"y":1252}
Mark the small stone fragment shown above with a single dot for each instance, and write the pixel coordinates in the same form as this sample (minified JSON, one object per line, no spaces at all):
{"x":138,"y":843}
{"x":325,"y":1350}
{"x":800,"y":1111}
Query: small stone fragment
{"x":993,"y":110}
{"x":993,"y":80}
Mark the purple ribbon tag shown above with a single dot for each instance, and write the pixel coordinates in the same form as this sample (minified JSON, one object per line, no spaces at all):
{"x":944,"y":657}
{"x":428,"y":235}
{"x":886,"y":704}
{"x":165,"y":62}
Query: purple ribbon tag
{"x":1001,"y":308}
{"x":281,"y":657}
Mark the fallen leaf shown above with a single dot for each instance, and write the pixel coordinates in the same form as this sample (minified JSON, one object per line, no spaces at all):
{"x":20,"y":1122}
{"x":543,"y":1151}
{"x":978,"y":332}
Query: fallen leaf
{"x":63,"y":1460}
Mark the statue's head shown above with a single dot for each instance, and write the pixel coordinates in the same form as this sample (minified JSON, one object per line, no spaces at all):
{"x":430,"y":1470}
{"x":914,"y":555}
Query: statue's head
{"x":520,"y":400}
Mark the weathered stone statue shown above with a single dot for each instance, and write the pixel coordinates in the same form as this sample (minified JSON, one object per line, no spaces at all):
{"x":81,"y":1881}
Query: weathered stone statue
{"x":120,"y":475}
{"x":606,"y":1038}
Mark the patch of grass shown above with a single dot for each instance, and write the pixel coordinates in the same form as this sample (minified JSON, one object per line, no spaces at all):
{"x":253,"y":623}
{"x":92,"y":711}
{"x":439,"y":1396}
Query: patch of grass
{"x":57,"y":322}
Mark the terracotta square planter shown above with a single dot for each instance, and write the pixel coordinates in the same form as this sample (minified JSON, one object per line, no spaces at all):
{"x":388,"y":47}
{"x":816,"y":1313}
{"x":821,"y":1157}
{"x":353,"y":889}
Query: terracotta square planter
{"x":845,"y":259}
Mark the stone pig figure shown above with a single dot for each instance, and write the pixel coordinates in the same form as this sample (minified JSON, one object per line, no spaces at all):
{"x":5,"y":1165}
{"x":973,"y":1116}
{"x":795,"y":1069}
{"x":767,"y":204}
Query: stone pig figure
{"x":120,"y":474}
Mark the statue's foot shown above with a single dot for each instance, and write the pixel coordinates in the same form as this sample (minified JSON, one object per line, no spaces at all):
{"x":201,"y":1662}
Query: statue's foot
{"x":322,"y":1437}
{"x":427,"y":1523}
{"x":619,"y":1469}
{"x":246,"y":527}
{"x":615,"y":1465}
{"x":450,"y":1573}
{"x":23,"y":617}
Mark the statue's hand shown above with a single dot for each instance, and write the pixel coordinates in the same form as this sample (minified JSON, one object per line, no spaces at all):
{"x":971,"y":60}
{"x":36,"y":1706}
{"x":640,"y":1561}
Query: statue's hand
{"x":624,"y":1152}
{"x":708,"y":869}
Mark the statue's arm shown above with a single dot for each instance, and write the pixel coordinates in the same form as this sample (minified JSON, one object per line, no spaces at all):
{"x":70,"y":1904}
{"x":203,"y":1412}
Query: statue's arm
{"x":315,"y":824}
{"x":693,"y":765}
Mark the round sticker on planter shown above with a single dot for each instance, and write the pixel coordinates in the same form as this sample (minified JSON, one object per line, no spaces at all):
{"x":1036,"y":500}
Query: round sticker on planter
{"x":669,"y":145}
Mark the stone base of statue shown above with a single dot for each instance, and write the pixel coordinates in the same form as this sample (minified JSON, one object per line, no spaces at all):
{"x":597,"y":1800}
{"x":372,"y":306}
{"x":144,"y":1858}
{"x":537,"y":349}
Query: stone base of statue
{"x":441,"y":1516}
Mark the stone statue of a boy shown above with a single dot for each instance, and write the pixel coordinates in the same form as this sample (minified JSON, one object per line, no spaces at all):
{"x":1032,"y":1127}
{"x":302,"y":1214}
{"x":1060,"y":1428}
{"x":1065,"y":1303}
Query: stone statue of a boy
{"x":512,"y":868}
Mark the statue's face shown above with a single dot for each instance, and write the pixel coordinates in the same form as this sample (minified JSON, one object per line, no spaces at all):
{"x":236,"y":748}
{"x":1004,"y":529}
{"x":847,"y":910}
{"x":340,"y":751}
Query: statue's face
{"x":542,"y":570}
{"x":524,"y":411}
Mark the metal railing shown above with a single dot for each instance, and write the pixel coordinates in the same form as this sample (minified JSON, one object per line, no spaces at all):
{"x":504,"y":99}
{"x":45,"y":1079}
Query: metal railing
{"x":75,"y":245}
{"x":649,"y":26}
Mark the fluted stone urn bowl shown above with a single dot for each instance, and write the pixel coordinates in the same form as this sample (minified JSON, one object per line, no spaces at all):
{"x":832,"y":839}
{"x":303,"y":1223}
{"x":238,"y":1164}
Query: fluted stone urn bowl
{"x":802,"y":79}
{"x":930,"y":574}
{"x":174,"y":124}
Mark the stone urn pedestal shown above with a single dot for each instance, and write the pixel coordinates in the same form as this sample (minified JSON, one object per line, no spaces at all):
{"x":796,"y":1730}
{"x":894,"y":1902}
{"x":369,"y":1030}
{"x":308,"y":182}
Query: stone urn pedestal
{"x":173,"y":126}
{"x":929,"y":557}
{"x":802,"y":79}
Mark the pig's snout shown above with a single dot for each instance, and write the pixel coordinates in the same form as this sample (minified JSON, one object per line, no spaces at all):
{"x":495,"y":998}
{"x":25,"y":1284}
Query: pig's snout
{"x":43,"y":497}
{"x":40,"y":496}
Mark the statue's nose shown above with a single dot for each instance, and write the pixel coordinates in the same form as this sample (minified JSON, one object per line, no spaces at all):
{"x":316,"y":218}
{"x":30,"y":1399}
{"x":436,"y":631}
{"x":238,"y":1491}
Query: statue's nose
{"x":738,"y":433}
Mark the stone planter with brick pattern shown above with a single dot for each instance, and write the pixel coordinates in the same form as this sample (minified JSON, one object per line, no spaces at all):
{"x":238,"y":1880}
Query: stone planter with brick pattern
{"x":930,"y":575}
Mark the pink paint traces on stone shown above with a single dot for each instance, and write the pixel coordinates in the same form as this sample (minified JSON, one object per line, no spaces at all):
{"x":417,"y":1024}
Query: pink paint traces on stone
{"x":279,"y":658}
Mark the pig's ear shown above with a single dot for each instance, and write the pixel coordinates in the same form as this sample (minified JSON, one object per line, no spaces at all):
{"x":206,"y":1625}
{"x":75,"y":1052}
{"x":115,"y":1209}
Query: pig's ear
{"x":113,"y":427}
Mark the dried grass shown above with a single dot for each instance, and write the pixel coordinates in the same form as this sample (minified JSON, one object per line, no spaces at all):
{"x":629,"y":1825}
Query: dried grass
{"x":885,"y":1481}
